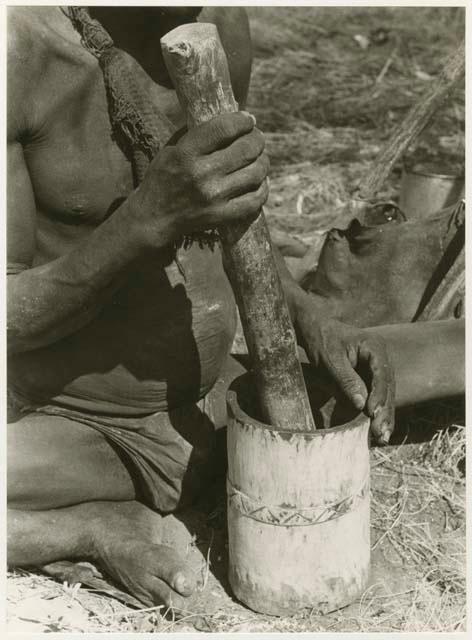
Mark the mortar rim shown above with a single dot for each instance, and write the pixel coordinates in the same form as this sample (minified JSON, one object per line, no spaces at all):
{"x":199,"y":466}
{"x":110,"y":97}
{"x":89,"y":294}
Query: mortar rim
{"x":239,"y":414}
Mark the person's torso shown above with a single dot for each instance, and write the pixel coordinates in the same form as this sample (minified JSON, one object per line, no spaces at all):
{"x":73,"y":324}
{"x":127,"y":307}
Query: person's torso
{"x":166,"y":333}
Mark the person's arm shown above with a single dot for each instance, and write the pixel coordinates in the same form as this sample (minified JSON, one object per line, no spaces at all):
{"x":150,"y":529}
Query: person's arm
{"x":344,"y":351}
{"x":357,"y":360}
{"x":428,"y":357}
{"x":49,"y":301}
{"x":233,"y":28}
{"x":215,"y":173}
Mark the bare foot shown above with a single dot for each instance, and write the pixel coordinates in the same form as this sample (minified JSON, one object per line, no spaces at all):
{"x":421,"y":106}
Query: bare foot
{"x":155,"y":574}
{"x":127,"y":547}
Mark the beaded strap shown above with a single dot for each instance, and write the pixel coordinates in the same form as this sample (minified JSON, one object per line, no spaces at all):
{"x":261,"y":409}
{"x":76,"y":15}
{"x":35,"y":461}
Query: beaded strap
{"x":138,"y":126}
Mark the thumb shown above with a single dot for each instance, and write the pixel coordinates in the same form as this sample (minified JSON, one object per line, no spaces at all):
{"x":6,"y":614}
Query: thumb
{"x":348,"y":379}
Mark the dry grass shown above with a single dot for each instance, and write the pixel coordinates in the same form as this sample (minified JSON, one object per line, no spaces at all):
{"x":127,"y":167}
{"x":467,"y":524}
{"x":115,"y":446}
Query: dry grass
{"x":418,"y":514}
{"x":310,"y":72}
{"x":325,"y":103}
{"x":326,"y":106}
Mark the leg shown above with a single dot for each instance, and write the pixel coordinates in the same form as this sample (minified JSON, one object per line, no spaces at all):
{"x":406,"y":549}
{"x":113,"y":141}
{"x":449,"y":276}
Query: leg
{"x":55,"y":464}
{"x":118,"y":536}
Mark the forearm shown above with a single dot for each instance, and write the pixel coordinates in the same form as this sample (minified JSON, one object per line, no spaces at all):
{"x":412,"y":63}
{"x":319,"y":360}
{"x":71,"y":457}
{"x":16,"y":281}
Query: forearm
{"x":48,"y":302}
{"x":298,"y":300}
{"x":428,"y":359}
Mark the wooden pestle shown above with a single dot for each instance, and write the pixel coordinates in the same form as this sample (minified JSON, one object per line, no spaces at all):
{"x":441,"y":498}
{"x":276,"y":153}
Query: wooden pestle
{"x":197,"y":65}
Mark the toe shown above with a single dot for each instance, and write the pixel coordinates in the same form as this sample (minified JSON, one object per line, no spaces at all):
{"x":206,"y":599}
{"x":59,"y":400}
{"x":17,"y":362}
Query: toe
{"x":71,"y":572}
{"x":172,"y":569}
{"x":161,"y":593}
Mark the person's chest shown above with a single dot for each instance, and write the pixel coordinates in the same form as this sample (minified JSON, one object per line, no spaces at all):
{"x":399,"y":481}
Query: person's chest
{"x":79,"y":170}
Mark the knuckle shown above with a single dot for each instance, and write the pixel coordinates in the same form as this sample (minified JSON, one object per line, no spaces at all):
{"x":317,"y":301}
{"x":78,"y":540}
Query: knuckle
{"x":198,"y":171}
{"x":203,"y":193}
{"x":366,"y":343}
{"x":259,"y":175}
{"x":352,"y":353}
{"x":263,"y":194}
{"x":262,"y":166}
{"x":209,"y":191}
{"x":221,"y":130}
{"x":243,"y":120}
{"x":345,"y":377}
{"x":252,"y":206}
{"x":225,"y":125}
{"x":350,"y":387}
{"x":265,"y":158}
{"x":257,"y":169}
{"x":180,"y":159}
{"x":254,"y":144}
{"x":246,"y":150}
{"x":192,"y":182}
{"x":259,"y":140}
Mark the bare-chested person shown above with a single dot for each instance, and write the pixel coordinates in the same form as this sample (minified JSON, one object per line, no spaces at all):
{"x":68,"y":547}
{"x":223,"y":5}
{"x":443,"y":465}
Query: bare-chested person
{"x":118,"y":353}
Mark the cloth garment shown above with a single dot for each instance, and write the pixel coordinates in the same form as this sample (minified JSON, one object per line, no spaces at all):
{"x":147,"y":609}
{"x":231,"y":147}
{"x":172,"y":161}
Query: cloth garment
{"x":171,"y":455}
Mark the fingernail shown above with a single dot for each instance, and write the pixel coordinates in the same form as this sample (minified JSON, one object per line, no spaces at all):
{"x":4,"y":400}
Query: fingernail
{"x":359,"y":401}
{"x":385,"y":437}
{"x":253,"y":118}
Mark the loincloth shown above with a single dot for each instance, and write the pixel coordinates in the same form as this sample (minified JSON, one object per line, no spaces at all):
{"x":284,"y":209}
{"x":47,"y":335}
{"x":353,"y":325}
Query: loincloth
{"x":171,"y":455}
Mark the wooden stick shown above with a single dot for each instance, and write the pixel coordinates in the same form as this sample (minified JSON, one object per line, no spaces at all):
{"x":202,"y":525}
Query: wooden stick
{"x":412,"y":125}
{"x":198,"y":67}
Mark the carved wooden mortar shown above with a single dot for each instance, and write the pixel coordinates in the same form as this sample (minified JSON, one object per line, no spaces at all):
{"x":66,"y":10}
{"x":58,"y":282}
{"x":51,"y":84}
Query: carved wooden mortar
{"x":298,"y":510}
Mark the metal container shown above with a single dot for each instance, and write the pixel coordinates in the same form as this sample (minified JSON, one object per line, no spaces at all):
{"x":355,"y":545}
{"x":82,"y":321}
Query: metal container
{"x":298,"y":511}
{"x":423,"y":192}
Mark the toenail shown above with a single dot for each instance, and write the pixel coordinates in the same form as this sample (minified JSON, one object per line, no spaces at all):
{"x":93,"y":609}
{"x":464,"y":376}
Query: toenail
{"x":181,"y":584}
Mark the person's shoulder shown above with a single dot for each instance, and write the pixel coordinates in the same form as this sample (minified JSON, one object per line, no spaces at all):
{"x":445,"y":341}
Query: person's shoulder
{"x":36,"y":36}
{"x":27,"y":53}
{"x":233,"y":16}
{"x":233,"y":26}
{"x":211,"y":12}
{"x":26,"y":31}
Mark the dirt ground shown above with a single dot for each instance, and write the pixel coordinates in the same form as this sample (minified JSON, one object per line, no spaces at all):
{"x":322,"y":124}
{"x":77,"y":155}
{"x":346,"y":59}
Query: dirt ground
{"x":328,"y":87}
{"x":417,"y":577}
